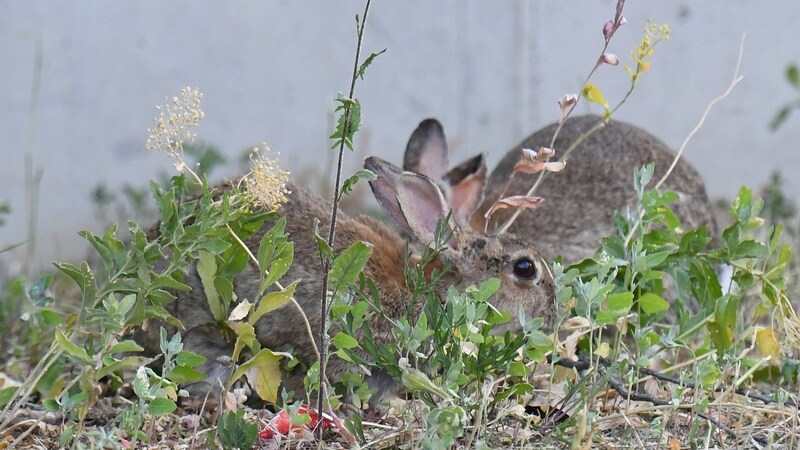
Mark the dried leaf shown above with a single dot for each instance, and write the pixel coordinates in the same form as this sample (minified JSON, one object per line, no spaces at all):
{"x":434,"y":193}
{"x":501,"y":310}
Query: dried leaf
{"x":567,"y":103}
{"x":516,"y":201}
{"x":610,"y":59}
{"x":536,"y":161}
{"x":543,"y":154}
{"x":240,"y":311}
{"x":555,"y":166}
{"x":527,"y":166}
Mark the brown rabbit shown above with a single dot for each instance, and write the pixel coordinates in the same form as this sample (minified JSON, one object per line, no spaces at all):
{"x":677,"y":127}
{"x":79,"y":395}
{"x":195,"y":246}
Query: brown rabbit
{"x":581,"y":200}
{"x":415,"y":204}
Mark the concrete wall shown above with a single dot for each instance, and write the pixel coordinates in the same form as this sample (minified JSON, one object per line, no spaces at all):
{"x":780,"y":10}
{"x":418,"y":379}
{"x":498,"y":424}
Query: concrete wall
{"x":490,"y":71}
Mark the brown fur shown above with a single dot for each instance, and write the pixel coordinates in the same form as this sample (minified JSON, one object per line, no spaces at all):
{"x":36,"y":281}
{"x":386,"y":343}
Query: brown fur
{"x":474,"y":257}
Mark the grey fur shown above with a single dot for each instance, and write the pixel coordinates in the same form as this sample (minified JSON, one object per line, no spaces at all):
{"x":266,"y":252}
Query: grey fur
{"x":581,"y":200}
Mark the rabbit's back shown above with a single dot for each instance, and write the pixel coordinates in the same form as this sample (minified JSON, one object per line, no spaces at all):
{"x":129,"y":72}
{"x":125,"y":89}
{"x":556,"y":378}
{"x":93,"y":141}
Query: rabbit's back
{"x":580,"y":201}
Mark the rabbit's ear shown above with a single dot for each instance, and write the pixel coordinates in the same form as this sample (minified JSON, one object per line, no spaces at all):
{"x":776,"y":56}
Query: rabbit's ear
{"x":426,"y":152}
{"x":412,"y":201}
{"x":385,"y":191}
{"x":467,"y":182}
{"x":423,"y":206}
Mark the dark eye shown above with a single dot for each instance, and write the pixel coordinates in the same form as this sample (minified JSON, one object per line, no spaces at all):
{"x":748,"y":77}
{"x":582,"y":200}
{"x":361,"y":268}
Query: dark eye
{"x":524,"y":268}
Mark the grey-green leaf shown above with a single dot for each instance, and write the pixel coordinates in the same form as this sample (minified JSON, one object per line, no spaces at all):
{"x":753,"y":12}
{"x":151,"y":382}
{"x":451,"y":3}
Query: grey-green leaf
{"x":348,"y":265}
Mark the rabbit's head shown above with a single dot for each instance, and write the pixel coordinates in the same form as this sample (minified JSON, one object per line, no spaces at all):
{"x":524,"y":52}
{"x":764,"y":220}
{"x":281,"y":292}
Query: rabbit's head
{"x":416,"y":205}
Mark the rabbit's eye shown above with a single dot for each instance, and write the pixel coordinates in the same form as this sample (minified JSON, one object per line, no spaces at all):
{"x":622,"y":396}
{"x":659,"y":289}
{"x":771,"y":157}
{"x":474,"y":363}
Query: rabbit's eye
{"x":524,"y":268}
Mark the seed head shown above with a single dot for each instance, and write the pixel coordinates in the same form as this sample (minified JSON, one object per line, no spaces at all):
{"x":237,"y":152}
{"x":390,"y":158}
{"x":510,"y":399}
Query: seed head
{"x":174,"y":124}
{"x":266,"y":183}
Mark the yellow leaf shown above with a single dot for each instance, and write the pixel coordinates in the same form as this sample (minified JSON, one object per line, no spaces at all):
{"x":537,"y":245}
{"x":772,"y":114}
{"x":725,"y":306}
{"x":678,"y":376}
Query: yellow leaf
{"x":767,"y":342}
{"x":263,"y":372}
{"x":593,"y":94}
{"x":604,"y":350}
{"x":266,"y":378}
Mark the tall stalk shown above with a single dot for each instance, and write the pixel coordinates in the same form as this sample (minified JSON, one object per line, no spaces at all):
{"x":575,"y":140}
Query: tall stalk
{"x":326,"y":264}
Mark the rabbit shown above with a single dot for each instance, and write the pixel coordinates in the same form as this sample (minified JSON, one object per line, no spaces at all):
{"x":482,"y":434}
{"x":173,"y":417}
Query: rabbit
{"x":579,"y":202}
{"x":414,"y":204}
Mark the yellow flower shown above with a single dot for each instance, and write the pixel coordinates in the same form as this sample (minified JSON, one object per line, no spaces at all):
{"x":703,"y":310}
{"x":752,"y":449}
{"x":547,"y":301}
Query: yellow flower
{"x":266,"y":183}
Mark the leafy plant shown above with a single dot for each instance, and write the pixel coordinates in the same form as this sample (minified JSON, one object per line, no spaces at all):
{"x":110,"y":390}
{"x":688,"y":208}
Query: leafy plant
{"x":5,"y":209}
{"x":793,"y":78}
{"x":234,"y":432}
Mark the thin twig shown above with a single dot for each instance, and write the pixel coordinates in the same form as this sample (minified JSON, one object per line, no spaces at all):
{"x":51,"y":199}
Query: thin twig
{"x":736,"y":79}
{"x":21,"y":395}
{"x":32,"y":179}
{"x":326,"y":266}
{"x":636,"y":396}
{"x":279,"y":286}
{"x":584,"y":364}
{"x":562,"y":120}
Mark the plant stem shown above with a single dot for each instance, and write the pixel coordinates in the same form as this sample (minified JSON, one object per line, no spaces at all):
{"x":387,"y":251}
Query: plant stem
{"x":32,"y":178}
{"x":503,"y":228}
{"x":326,"y":265}
{"x":279,"y":286}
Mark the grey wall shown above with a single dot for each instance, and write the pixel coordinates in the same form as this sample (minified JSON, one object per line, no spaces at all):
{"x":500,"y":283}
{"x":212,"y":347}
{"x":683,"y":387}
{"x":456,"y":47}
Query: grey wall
{"x":491,"y":71}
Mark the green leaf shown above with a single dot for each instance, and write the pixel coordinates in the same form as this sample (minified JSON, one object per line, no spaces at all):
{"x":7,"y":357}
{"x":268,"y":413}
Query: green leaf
{"x":367,"y":62}
{"x":349,"y":121}
{"x":215,"y":246}
{"x":416,"y":381}
{"x":189,"y":359}
{"x":721,"y":328}
{"x":207,"y":269}
{"x":351,"y":181}
{"x":51,"y":317}
{"x":272,"y":301}
{"x":183,"y":374}
{"x":50,"y":404}
{"x":487,"y":289}
{"x":275,"y":254}
{"x":270,"y":242}
{"x":694,"y":241}
{"x":793,"y":76}
{"x":6,"y":394}
{"x":71,"y":348}
{"x":245,"y":336}
{"x":111,"y":250}
{"x":750,"y":249}
{"x":344,"y":341}
{"x":127,"y":363}
{"x":620,"y":303}
{"x":515,"y":390}
{"x":235,"y":432}
{"x":517,"y":369}
{"x":325,"y":250}
{"x":83,"y":277}
{"x":161,"y":405}
{"x":126,"y":346}
{"x":348,"y":265}
{"x":651,"y":303}
{"x":780,"y":117}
